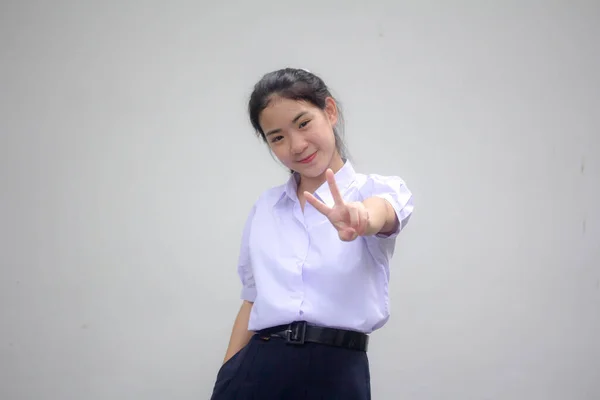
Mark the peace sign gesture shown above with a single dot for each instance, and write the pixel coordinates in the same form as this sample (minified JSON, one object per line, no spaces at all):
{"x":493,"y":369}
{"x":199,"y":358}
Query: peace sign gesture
{"x":349,"y":219}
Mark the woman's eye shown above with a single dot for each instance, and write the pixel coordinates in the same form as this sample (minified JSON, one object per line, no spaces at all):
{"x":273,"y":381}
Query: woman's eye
{"x":303,"y":124}
{"x":276,"y":139}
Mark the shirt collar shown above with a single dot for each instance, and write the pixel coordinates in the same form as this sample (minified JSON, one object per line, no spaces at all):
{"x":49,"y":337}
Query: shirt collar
{"x":343,"y":178}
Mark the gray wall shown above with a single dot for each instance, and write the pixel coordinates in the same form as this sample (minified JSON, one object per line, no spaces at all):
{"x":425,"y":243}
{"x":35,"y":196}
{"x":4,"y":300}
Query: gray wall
{"x":127,"y":167}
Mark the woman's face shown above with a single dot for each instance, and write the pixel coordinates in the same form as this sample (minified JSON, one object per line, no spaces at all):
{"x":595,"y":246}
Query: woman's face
{"x":301,"y":135}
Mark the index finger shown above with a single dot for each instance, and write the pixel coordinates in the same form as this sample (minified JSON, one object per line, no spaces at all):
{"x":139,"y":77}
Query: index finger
{"x":321,"y":207}
{"x":335,"y":192}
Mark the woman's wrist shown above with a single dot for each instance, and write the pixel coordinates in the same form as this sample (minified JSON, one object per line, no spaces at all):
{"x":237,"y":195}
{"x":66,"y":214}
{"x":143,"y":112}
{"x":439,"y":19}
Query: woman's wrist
{"x":382,"y":217}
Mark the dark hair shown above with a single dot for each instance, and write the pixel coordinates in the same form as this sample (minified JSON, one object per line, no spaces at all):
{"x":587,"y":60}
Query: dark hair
{"x":293,"y":84}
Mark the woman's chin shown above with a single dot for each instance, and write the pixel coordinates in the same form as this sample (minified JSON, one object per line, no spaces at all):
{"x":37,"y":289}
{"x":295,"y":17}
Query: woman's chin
{"x":313,"y":171}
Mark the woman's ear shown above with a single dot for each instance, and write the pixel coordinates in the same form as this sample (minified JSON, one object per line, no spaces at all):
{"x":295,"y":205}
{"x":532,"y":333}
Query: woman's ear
{"x":331,"y":111}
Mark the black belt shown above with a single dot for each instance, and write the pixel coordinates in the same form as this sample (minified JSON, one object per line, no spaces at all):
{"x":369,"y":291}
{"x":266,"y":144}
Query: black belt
{"x":300,"y":332}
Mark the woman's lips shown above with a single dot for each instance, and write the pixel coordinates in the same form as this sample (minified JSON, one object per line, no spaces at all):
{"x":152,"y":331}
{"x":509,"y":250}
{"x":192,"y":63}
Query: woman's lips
{"x":309,"y":158}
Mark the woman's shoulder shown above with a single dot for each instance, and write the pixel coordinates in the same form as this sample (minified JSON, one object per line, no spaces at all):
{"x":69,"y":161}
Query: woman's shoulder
{"x":272,"y":195}
{"x":269,"y":196}
{"x":371,"y":183}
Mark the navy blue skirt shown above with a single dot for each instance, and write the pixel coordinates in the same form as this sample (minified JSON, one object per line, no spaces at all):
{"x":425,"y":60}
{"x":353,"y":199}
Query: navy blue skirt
{"x":271,"y":369}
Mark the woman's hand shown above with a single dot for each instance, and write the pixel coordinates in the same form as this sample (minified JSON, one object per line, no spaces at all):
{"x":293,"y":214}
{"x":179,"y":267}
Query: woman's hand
{"x":349,"y":219}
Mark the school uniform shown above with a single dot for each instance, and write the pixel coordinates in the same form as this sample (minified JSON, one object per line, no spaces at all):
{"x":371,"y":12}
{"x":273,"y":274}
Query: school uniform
{"x":316,"y":298}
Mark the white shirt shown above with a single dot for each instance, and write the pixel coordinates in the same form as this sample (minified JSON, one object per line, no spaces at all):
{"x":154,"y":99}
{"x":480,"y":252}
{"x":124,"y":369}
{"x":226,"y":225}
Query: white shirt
{"x":294,"y":267}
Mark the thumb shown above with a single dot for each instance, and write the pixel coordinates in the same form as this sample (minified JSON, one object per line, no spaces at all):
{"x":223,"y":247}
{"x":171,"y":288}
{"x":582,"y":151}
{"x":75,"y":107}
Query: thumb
{"x":348,"y":234}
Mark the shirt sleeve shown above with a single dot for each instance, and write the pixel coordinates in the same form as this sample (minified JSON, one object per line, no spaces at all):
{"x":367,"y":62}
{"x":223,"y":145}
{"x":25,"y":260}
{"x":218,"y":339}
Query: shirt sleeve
{"x":245,"y":262}
{"x":394,"y":190}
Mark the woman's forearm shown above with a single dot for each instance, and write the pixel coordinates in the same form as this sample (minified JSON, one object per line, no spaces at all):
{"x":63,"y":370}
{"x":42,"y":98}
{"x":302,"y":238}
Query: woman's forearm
{"x":240,"y":335}
{"x":382,"y":217}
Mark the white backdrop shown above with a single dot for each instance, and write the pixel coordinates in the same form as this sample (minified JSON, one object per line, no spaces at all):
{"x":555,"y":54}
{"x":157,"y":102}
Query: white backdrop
{"x":128,"y":165}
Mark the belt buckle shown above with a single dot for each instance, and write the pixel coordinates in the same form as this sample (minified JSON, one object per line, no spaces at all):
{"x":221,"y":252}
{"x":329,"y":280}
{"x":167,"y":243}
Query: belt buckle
{"x":296,"y":333}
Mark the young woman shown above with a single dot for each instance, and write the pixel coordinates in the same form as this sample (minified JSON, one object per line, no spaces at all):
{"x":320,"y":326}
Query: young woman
{"x":314,"y":259}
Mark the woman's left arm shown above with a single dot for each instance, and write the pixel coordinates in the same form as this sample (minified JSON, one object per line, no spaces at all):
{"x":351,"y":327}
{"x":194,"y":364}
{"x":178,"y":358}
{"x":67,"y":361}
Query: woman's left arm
{"x":382,"y":216}
{"x":379,"y":214}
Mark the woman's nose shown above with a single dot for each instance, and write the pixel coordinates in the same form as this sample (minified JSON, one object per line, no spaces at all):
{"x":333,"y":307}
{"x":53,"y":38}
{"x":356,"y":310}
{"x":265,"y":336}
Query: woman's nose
{"x":298,"y":145}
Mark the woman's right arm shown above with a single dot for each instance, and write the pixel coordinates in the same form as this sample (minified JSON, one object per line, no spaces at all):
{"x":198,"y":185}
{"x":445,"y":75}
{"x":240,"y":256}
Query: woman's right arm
{"x":240,"y":335}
